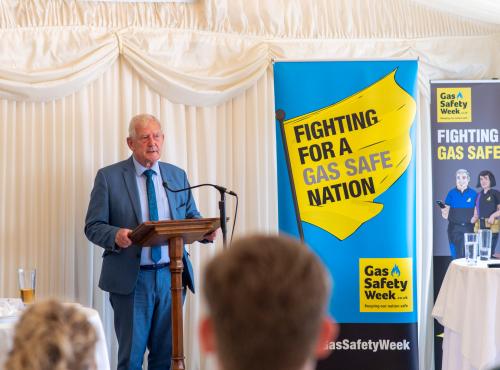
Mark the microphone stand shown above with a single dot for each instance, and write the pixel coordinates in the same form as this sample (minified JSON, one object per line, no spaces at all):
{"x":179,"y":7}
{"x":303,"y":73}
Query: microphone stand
{"x":222,"y":215}
{"x":222,"y":211}
{"x":222,"y":205}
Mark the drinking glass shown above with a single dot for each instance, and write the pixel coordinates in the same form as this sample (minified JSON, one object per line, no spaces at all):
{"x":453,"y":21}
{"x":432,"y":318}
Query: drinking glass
{"x":27,"y":284}
{"x":471,"y":247}
{"x":484,"y":241}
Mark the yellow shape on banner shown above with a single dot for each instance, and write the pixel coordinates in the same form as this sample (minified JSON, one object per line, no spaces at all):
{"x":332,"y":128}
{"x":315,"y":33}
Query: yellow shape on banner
{"x":345,"y":155}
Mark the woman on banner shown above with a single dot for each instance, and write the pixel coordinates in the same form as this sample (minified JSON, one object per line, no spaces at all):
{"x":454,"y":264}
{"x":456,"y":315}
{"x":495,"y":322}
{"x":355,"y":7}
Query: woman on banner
{"x":487,"y":207}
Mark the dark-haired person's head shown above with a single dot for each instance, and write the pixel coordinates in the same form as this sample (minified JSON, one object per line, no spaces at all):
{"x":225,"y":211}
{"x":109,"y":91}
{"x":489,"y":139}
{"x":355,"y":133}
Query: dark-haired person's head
{"x":486,"y":180}
{"x":53,"y":336}
{"x":267,"y":299}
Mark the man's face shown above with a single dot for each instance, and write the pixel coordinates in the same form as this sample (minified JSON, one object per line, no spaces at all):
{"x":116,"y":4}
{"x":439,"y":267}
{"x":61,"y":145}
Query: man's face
{"x":484,"y":181}
{"x":462,"y":181}
{"x":147,"y":143}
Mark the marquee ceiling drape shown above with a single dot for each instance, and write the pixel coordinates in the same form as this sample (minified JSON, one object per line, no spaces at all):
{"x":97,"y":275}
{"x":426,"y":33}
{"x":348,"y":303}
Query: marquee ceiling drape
{"x":203,"y":54}
{"x":73,"y":73}
{"x":481,"y":10}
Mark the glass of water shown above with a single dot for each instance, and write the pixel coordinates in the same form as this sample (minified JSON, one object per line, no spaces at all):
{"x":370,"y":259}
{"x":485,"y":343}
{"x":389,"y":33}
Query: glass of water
{"x":484,"y":242}
{"x":471,"y":248}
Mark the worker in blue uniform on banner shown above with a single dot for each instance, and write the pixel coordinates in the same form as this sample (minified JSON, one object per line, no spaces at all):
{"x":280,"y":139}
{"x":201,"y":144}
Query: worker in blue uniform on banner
{"x":459,"y":210}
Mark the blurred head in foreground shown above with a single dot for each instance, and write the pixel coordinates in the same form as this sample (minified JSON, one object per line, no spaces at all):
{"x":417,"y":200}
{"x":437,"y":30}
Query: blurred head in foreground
{"x":267,"y":299}
{"x":53,"y":336}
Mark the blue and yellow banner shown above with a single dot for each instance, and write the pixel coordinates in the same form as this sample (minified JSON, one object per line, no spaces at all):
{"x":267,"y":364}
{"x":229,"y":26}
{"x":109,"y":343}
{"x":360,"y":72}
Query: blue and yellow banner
{"x":346,"y":183}
{"x":465,"y":146}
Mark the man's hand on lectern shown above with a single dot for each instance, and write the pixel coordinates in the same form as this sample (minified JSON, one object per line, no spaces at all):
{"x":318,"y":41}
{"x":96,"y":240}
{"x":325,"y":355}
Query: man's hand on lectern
{"x":122,"y":238}
{"x":209,"y":238}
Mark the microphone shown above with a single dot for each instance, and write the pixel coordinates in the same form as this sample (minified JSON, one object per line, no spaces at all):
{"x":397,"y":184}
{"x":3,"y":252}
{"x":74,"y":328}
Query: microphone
{"x":222,"y":189}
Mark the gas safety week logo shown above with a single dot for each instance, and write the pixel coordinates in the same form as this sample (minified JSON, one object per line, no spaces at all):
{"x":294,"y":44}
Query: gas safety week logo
{"x":385,"y":285}
{"x":454,"y":104}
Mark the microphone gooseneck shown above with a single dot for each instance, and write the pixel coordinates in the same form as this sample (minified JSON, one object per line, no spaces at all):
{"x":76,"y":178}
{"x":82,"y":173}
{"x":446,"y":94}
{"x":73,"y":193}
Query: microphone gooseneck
{"x":222,"y":204}
{"x":218,"y":187}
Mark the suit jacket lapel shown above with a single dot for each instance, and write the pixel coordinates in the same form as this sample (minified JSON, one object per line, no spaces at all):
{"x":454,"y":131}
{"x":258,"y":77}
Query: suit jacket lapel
{"x":131,"y":183}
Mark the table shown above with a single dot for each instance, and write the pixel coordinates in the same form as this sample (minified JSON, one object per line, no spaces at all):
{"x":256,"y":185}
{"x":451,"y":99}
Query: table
{"x":468,"y":306}
{"x":101,"y":353}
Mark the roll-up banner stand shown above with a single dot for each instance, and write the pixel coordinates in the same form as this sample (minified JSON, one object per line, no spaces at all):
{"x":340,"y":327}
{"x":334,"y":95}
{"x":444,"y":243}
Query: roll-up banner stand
{"x":346,"y":182}
{"x":465,"y":121}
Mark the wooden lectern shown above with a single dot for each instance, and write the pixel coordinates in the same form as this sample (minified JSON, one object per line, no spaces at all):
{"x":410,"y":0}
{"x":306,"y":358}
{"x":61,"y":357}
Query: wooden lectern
{"x":176,"y":233}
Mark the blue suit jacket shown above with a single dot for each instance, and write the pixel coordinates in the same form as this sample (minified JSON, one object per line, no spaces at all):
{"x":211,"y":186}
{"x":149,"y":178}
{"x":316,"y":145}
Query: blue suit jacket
{"x":114,"y":204}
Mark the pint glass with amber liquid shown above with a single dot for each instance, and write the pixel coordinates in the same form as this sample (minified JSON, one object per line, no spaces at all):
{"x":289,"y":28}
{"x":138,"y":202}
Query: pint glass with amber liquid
{"x":27,"y":284}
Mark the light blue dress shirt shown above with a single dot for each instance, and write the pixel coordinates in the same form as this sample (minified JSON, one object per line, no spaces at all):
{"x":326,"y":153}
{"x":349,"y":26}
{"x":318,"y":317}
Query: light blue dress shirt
{"x":162,"y":203}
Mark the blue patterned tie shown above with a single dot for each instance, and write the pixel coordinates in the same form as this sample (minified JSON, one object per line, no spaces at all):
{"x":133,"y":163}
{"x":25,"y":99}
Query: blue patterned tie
{"x":153,"y":210}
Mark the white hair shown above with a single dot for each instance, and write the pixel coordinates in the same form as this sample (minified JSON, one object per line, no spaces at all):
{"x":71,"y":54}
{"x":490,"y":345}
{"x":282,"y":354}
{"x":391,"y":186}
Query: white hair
{"x":140,"y":119}
{"x":463,"y":171}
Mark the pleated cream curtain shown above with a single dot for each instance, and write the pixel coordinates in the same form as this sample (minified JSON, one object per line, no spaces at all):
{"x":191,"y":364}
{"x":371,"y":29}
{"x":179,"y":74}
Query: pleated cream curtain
{"x":52,"y":150}
{"x":73,"y":73}
{"x":482,"y":10}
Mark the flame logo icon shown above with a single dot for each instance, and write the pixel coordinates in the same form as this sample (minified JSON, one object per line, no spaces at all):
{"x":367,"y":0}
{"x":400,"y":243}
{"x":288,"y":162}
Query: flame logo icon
{"x":395,"y":271}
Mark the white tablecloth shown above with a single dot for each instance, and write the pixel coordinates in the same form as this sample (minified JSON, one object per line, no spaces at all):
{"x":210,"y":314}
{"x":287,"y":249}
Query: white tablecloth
{"x":468,"y":306}
{"x":101,"y":355}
